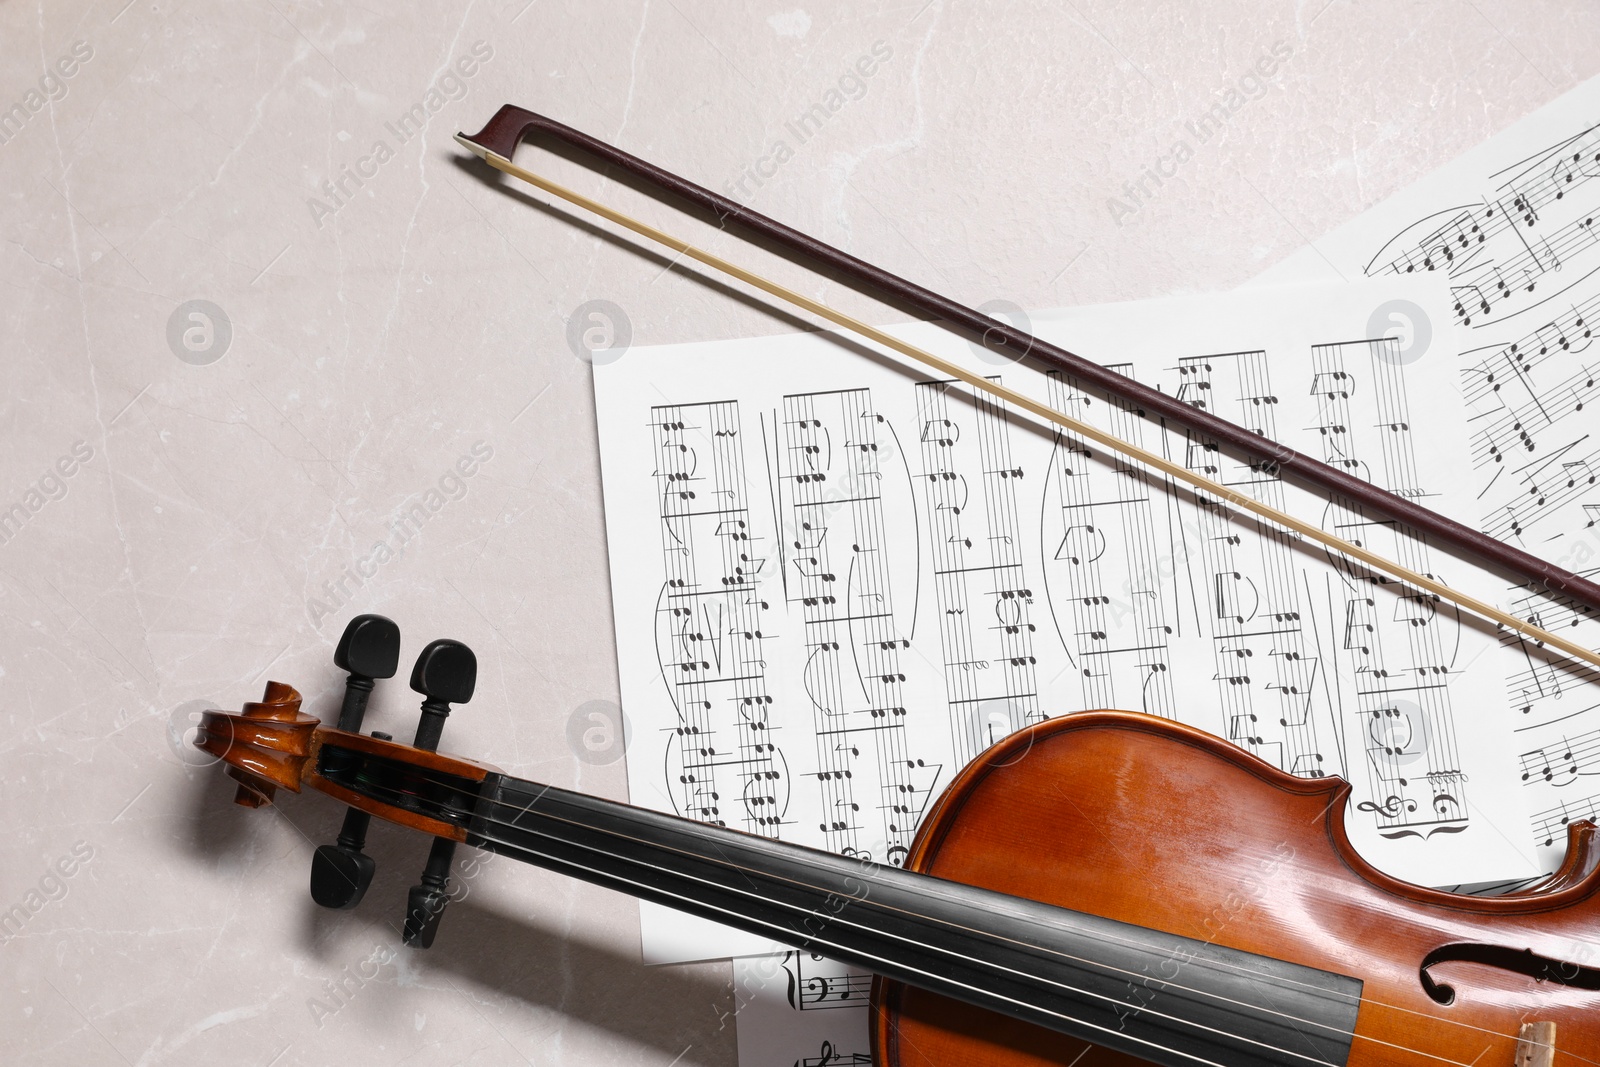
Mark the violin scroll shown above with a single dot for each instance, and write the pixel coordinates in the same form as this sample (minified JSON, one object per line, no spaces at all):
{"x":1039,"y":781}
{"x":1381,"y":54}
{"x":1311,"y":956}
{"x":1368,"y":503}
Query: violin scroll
{"x":265,"y":746}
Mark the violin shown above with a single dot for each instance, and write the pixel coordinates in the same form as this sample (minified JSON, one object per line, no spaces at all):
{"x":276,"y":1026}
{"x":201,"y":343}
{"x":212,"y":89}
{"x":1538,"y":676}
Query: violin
{"x":1102,"y":888}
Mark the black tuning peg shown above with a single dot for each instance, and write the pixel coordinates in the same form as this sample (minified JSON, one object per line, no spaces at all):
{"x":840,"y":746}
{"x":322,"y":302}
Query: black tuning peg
{"x":369,"y":649}
{"x":446,"y":673}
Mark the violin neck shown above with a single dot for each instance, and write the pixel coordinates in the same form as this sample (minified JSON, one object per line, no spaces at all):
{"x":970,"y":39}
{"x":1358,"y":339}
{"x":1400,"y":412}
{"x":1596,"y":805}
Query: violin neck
{"x":1157,"y":996}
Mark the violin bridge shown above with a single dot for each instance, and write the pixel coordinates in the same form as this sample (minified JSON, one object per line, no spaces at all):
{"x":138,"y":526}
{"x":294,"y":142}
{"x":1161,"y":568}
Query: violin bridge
{"x":1536,"y":1045}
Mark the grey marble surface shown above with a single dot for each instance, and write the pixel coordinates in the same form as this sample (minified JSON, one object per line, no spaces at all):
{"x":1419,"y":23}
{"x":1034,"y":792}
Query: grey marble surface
{"x":192,"y":496}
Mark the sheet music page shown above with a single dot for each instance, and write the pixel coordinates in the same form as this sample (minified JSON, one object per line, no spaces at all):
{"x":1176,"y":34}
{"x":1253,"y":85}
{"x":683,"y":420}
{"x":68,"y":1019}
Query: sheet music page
{"x":1512,"y":224}
{"x":837,"y":580}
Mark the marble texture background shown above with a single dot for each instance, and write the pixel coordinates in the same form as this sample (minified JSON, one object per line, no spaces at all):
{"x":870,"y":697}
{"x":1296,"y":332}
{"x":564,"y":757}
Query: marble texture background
{"x":217,"y":495}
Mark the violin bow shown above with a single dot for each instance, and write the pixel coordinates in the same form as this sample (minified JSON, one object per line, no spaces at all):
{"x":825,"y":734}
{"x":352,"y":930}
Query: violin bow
{"x":497,"y":142}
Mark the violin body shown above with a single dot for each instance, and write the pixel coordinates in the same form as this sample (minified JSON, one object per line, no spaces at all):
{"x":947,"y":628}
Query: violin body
{"x":1138,"y":819}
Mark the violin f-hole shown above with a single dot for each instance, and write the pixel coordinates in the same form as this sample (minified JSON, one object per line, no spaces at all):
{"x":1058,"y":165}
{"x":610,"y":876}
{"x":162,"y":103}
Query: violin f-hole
{"x":1524,"y":961}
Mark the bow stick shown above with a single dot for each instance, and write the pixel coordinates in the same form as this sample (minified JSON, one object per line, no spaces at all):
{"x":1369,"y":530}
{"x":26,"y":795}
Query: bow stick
{"x":497,"y":141}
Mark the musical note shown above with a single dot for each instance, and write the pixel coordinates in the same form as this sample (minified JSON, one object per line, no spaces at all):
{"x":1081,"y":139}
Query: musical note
{"x":1254,"y":602}
{"x":1332,"y":385}
{"x":1550,"y":825}
{"x":1543,"y":491}
{"x":818,"y":983}
{"x":718,"y":683}
{"x":977,"y":558}
{"x":854,"y":678}
{"x":829,"y":1056}
{"x":1394,"y":639}
{"x":1560,"y":764}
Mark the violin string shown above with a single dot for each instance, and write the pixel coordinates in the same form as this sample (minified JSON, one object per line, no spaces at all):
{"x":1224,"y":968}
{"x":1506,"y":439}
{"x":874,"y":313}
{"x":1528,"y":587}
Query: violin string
{"x":1263,"y":976}
{"x":781,"y":931}
{"x":1045,"y":949}
{"x":787,"y":931}
{"x":729,"y":864}
{"x":933,"y":883}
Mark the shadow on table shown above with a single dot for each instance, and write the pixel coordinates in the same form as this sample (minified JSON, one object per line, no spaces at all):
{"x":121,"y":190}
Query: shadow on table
{"x":486,"y":953}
